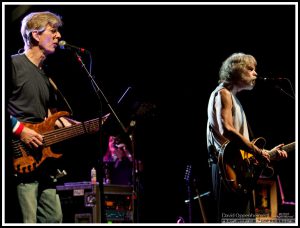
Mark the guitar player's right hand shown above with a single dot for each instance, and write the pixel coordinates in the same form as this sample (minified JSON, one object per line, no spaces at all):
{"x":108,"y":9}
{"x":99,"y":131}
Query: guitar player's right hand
{"x":31,"y":137}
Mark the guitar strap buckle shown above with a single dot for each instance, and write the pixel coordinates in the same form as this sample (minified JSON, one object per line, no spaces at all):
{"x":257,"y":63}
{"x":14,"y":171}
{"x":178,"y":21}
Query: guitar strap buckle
{"x":59,"y":175}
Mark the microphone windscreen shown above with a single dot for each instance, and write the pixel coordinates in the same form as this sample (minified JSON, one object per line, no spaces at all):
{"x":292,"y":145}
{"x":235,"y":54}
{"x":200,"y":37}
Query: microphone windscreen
{"x":62,"y":43}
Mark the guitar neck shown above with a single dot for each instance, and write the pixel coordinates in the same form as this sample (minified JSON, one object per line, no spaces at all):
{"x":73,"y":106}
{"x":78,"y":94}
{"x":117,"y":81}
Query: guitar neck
{"x":289,"y":147}
{"x":62,"y":134}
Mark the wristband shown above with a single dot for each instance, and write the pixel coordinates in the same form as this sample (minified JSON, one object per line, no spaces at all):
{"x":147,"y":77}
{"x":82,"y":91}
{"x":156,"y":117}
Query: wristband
{"x":17,"y":130}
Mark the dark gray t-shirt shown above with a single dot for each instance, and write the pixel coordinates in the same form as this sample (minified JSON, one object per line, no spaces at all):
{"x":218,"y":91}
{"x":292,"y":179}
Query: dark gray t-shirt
{"x":30,"y":97}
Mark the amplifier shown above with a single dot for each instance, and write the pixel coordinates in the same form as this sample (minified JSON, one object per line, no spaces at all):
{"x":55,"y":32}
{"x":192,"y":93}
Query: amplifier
{"x":81,"y":202}
{"x":118,"y":203}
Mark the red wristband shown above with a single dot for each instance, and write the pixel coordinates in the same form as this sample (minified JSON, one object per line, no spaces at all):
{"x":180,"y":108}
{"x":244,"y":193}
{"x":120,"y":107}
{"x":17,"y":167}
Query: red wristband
{"x":19,"y":129}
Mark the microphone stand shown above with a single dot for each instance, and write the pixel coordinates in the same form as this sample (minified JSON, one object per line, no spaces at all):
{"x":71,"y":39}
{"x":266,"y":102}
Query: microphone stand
{"x":135,"y":171}
{"x":100,"y":93}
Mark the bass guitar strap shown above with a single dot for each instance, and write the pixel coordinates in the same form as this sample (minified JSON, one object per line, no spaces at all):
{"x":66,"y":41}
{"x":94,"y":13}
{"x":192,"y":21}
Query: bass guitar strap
{"x":62,"y":96}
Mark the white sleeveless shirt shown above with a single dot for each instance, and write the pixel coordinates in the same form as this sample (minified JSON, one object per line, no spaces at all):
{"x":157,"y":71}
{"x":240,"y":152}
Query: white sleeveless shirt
{"x":214,"y":136}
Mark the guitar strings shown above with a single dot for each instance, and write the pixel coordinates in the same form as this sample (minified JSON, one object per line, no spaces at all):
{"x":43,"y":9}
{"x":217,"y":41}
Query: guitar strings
{"x":61,"y":134}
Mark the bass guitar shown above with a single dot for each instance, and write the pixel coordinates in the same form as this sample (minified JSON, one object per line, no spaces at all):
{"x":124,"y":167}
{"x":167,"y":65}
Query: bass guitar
{"x":26,"y":159}
{"x":240,"y":170}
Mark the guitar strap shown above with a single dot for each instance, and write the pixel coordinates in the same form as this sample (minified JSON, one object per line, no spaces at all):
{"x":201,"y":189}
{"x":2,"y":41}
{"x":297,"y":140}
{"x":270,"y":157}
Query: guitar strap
{"x":60,"y":93}
{"x":251,"y":135}
{"x":212,"y":150}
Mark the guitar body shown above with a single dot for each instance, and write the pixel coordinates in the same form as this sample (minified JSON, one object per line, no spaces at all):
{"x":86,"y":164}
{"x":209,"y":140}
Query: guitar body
{"x":239,"y":169}
{"x":26,"y":159}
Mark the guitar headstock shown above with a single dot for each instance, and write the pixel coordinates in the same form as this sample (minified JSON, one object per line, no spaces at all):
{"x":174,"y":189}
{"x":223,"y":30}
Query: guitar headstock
{"x":188,"y":173}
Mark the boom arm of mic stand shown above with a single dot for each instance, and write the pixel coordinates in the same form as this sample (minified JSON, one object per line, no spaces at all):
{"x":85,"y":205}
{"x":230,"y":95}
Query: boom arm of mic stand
{"x":283,"y":91}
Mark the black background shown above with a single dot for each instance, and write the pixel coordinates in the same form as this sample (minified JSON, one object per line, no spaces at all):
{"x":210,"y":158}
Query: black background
{"x":170,"y":56}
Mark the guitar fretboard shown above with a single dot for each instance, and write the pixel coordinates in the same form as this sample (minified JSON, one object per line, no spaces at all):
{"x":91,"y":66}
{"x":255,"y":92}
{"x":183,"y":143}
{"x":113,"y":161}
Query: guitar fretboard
{"x":62,"y":134}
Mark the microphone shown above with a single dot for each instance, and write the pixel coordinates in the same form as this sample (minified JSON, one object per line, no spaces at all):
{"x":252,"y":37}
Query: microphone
{"x":270,"y":79}
{"x":64,"y":45}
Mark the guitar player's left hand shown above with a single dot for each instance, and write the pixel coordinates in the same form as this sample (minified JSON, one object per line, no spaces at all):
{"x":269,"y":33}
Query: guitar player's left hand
{"x":279,"y":153}
{"x":65,"y":122}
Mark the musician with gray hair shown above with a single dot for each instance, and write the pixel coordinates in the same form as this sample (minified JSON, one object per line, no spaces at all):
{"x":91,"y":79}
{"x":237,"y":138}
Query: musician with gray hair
{"x":31,"y":101}
{"x":227,"y":128}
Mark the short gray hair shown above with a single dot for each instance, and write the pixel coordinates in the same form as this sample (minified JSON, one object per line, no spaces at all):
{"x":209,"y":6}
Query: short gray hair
{"x":37,"y":21}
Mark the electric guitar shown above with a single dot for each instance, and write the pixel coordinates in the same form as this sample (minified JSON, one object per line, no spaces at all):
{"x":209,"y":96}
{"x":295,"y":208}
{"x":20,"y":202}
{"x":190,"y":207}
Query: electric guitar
{"x":240,"y":170}
{"x":26,"y":159}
